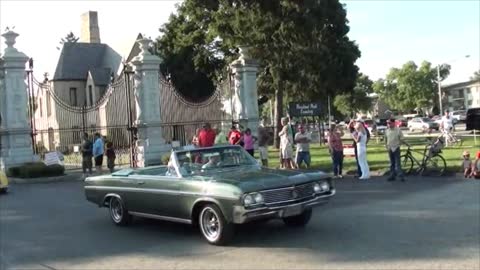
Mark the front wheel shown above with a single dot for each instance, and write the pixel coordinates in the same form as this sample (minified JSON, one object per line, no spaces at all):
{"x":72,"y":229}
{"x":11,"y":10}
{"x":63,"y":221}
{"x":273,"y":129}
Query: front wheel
{"x":434,"y":166}
{"x":406,"y":163}
{"x":299,"y":220}
{"x":213,"y":225}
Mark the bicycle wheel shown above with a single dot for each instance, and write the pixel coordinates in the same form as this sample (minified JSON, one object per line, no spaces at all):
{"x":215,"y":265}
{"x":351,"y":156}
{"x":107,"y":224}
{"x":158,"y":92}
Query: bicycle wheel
{"x":434,"y":166}
{"x":406,"y":162}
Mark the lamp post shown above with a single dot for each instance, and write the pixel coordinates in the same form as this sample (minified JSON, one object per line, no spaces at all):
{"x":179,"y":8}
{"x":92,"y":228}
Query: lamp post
{"x":440,"y":85}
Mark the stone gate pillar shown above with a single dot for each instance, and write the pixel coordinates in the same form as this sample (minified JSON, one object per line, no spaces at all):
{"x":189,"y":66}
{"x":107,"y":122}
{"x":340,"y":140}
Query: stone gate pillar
{"x":15,"y":132}
{"x":150,"y":143}
{"x":245,"y":100}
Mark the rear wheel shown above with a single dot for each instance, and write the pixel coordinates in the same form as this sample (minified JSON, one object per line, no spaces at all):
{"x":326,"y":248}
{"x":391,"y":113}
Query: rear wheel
{"x":406,"y":163}
{"x":118,"y":212}
{"x":300,"y":220}
{"x":434,"y":166}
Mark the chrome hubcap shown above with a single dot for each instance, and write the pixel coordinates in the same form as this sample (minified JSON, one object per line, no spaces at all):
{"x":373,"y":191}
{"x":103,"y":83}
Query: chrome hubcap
{"x":210,"y":224}
{"x":116,"y":210}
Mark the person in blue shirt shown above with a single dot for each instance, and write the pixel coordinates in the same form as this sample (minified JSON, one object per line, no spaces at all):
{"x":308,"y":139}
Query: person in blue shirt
{"x":98,"y":149}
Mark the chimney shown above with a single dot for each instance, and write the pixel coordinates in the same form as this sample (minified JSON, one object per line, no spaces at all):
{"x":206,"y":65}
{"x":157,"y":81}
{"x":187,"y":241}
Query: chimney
{"x":90,"y":32}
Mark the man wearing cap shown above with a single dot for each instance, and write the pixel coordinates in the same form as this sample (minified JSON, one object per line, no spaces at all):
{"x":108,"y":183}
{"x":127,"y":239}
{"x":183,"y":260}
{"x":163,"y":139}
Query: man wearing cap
{"x":393,"y":140}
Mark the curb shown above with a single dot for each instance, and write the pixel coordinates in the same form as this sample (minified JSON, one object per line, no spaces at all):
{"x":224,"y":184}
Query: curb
{"x":42,"y":180}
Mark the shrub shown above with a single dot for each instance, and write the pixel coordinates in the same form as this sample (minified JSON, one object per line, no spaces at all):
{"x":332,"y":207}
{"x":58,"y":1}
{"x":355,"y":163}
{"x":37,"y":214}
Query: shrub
{"x":37,"y":169}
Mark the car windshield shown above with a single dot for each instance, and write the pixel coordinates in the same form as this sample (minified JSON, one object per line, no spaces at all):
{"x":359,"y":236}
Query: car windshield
{"x":425,"y":119}
{"x":203,"y":160}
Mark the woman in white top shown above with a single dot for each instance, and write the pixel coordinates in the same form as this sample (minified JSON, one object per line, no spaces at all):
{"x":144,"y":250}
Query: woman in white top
{"x":361,"y":140}
{"x":286,"y":143}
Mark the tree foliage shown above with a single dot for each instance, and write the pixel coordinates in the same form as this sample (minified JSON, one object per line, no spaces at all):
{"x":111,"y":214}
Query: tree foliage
{"x":411,"y":87}
{"x":356,"y":100}
{"x":476,"y":76}
{"x":302,"y":46}
{"x":192,"y":59}
{"x":69,"y":38}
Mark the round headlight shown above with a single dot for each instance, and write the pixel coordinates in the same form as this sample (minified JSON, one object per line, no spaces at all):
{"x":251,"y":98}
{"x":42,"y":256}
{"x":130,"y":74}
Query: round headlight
{"x":258,"y":198}
{"x":325,"y":186}
{"x":248,"y":200}
{"x":317,"y":188}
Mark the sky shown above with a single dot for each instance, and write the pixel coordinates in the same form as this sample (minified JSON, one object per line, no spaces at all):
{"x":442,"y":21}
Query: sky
{"x":389,"y":33}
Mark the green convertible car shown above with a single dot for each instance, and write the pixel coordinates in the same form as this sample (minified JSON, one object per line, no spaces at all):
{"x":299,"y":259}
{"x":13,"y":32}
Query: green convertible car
{"x":213,"y":188}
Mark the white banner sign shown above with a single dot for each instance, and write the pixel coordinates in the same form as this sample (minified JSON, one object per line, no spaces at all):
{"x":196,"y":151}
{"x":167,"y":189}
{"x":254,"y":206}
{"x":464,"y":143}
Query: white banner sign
{"x":52,"y":158}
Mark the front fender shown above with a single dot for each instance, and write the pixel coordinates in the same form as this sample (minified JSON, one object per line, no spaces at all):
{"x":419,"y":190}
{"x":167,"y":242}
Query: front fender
{"x":225,"y":204}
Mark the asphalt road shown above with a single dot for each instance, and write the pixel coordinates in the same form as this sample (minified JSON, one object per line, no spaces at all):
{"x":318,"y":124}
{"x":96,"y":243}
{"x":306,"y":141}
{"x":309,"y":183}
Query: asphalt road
{"x":420,"y":224}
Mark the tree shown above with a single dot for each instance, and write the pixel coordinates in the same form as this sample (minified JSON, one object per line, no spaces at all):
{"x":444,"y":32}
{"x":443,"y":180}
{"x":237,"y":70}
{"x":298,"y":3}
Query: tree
{"x":302,"y":46}
{"x":476,"y":76}
{"x":411,"y":87}
{"x":69,"y":38}
{"x":356,"y":100}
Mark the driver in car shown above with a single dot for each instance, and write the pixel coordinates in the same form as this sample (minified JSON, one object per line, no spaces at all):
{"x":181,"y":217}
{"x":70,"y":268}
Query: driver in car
{"x":213,"y":161}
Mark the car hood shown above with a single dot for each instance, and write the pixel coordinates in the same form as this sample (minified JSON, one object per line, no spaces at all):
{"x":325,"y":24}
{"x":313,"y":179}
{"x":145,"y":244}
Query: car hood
{"x":252,"y":178}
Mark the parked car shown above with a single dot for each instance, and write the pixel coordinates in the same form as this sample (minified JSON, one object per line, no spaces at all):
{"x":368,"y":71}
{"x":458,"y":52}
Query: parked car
{"x":459,"y":116}
{"x":411,"y":116}
{"x":473,"y":119}
{"x":438,"y":119}
{"x":401,"y":122}
{"x":3,"y":182}
{"x":371,"y":125}
{"x":381,"y":125}
{"x":422,"y":123}
{"x":213,"y":188}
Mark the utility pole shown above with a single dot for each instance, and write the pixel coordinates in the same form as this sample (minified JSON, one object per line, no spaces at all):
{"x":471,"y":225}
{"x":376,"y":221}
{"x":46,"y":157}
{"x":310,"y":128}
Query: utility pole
{"x":439,"y":90}
{"x":329,"y":113}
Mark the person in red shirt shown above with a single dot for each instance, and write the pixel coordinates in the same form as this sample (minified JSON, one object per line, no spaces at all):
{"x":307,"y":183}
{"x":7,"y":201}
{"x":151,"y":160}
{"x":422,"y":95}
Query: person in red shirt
{"x":206,"y":137}
{"x":234,"y":136}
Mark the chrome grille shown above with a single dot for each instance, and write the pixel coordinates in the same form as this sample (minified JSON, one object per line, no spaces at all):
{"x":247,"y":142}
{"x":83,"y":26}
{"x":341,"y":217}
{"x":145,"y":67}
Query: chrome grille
{"x":287,"y":194}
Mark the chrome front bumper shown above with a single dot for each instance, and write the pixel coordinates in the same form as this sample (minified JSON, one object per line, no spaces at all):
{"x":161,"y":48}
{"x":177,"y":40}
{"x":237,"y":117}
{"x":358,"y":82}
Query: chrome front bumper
{"x":242,"y":215}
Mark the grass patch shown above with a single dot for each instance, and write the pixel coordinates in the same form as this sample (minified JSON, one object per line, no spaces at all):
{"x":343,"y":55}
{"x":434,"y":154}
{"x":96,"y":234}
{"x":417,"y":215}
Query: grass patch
{"x":378,"y":157}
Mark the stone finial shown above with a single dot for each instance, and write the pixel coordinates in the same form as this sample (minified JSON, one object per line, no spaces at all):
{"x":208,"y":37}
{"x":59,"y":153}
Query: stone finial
{"x":10,"y":37}
{"x":144,"y":45}
{"x":244,"y":52}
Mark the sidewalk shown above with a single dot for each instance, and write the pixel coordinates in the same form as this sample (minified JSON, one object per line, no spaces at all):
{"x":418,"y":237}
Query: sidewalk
{"x":68,"y":176}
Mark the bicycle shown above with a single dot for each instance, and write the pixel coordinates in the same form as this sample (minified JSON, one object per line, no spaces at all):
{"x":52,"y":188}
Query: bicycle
{"x":432,"y":164}
{"x":452,"y":139}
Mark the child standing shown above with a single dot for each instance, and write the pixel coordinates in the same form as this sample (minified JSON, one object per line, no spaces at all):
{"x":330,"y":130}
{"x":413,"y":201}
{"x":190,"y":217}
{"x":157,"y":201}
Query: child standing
{"x":467,"y":165}
{"x":249,"y":141}
{"x":110,"y":156}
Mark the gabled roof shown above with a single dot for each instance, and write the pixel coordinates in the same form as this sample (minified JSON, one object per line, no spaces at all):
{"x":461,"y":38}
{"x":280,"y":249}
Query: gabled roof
{"x":135,"y":49}
{"x":101,"y":76}
{"x":78,"y":58}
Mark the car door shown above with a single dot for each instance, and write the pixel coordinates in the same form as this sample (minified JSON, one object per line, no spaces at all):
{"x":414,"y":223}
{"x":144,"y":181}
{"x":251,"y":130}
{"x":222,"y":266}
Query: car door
{"x":417,"y":123}
{"x":158,"y":194}
{"x":123,"y":186}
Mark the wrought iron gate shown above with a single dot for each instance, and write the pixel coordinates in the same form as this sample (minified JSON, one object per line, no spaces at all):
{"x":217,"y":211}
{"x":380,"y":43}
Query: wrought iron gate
{"x":59,"y":126}
{"x":181,"y":118}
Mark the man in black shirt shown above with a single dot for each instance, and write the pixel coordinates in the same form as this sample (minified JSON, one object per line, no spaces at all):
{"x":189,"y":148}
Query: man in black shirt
{"x":87,"y":153}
